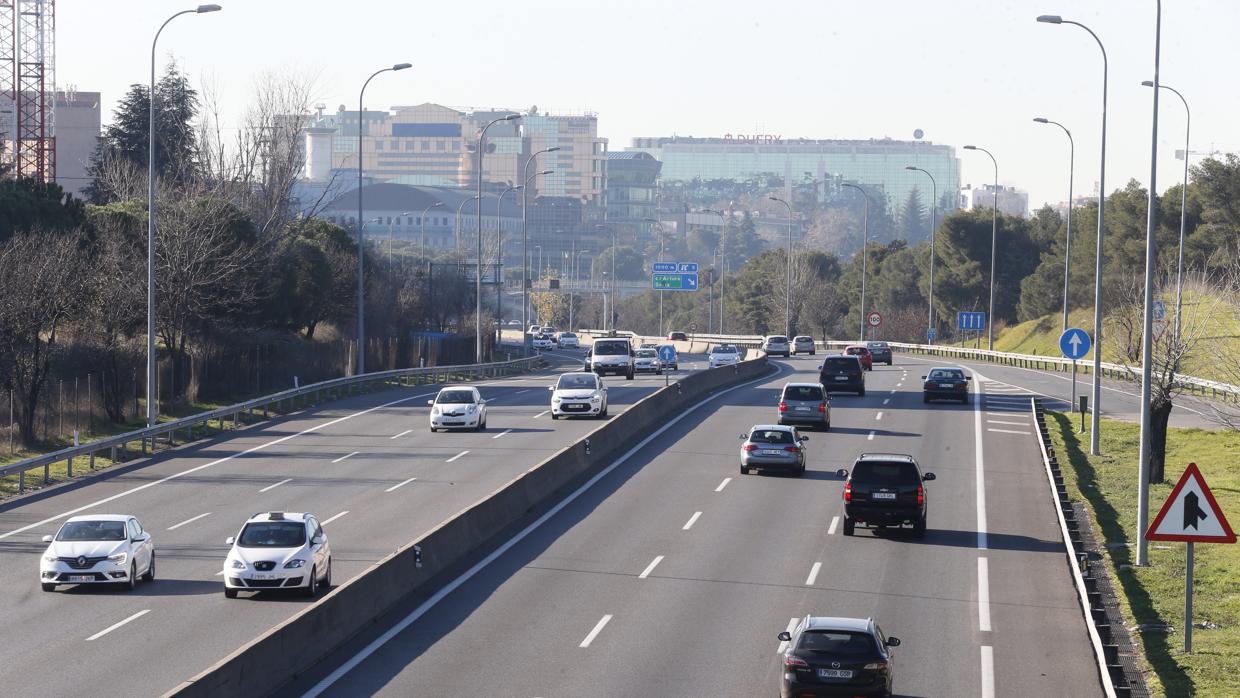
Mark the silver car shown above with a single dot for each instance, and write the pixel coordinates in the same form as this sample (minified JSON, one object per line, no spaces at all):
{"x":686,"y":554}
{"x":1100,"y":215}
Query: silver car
{"x":803,"y":344}
{"x":776,"y":344}
{"x":805,"y":403}
{"x":773,"y":446}
{"x":647,"y":361}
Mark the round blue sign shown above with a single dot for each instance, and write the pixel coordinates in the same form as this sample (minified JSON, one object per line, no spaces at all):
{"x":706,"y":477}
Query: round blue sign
{"x":1075,"y":343}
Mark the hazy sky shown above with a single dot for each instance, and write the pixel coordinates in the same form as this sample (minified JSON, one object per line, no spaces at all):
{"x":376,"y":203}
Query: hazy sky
{"x":963,"y":72}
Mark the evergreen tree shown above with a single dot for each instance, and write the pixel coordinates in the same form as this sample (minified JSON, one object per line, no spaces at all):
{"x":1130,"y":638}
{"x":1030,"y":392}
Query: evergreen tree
{"x":913,"y":225}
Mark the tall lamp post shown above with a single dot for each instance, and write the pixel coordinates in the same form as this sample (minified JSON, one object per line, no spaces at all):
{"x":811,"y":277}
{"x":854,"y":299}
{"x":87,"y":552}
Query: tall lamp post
{"x":722,"y":263}
{"x":499,"y":261}
{"x":1096,"y":417}
{"x":1179,"y":267}
{"x":391,"y":230}
{"x":525,"y":237}
{"x":994,"y":229}
{"x":457,"y":230}
{"x":478,"y":277}
{"x":152,"y":410}
{"x":572,"y":282}
{"x":865,"y":244}
{"x":1067,"y":245}
{"x":934,"y":202}
{"x":662,"y":234}
{"x":788,"y":286}
{"x":612,"y":288}
{"x":361,"y":239}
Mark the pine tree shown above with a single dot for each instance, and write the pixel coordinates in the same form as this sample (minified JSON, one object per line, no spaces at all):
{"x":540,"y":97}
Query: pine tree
{"x":913,"y":224}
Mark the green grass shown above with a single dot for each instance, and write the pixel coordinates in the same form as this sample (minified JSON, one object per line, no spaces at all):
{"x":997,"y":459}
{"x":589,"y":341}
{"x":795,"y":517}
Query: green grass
{"x":1155,"y":593}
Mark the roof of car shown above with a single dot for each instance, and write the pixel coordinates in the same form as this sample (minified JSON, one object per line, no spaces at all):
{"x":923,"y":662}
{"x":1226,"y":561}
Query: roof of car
{"x":577,"y":373}
{"x":856,"y":346}
{"x":100,"y":517}
{"x":945,"y":368}
{"x":771,"y":427}
{"x":803,"y":385}
{"x":886,"y":457}
{"x":458,"y":387}
{"x":861,"y":625}
{"x":279,"y":516}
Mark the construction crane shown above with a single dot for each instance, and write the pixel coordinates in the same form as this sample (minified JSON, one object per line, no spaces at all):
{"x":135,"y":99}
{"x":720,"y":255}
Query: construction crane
{"x":28,"y":87}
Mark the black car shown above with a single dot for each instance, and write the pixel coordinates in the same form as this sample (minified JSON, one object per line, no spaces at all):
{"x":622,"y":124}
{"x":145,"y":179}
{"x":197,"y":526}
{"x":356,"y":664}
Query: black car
{"x":879,"y":352}
{"x":842,"y":373}
{"x":885,"y":489}
{"x":836,"y":657}
{"x":945,"y":384}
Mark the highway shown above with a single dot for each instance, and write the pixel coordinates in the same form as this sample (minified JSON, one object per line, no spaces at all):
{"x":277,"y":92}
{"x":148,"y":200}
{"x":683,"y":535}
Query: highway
{"x":367,"y":466}
{"x":673,"y":574}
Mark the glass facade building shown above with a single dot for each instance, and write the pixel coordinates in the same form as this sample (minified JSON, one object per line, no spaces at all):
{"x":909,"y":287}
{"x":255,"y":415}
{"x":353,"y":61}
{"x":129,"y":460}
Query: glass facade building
{"x":632,"y":195}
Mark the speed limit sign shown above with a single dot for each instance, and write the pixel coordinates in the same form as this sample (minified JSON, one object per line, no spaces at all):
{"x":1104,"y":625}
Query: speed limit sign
{"x":693,"y":327}
{"x":874,"y":319}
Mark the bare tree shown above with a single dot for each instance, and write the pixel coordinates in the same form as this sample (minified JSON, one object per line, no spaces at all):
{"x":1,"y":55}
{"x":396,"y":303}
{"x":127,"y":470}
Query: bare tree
{"x":115,"y":309}
{"x":1227,"y":361}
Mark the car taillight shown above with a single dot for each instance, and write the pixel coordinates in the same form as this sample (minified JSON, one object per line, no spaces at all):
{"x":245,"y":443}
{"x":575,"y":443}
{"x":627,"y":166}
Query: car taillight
{"x":876,"y":666}
{"x":822,"y":407}
{"x":783,"y":406}
{"x":921,"y":495}
{"x":791,"y":661}
{"x":749,"y":447}
{"x":847,"y":491}
{"x":791,"y":449}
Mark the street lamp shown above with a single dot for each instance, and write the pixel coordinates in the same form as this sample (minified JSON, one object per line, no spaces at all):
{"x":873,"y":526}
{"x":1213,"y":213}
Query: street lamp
{"x":152,"y":410}
{"x":934,"y":194}
{"x":994,"y":229}
{"x":722,"y":262}
{"x":865,"y":244}
{"x":1095,"y":421}
{"x":788,"y":288}
{"x":525,"y":238}
{"x":613,"y":276}
{"x":1179,"y":273}
{"x":478,"y":277}
{"x":457,"y":230}
{"x":572,"y":282}
{"x":499,"y":259}
{"x":1067,"y":254}
{"x":361,"y":292}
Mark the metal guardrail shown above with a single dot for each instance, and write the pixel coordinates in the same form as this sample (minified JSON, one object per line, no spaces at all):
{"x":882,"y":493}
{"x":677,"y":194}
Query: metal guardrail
{"x":117,"y":445}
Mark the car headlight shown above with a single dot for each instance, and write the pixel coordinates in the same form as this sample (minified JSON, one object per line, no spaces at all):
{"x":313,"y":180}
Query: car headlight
{"x":236,"y":564}
{"x":434,"y":411}
{"x":473,"y":409}
{"x":119,"y":558}
{"x":596,"y":398}
{"x":294,"y":564}
{"x":50,"y":557}
{"x":555,"y":399}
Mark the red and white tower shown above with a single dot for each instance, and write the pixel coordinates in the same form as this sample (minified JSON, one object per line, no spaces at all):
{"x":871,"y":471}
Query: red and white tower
{"x":28,"y":86}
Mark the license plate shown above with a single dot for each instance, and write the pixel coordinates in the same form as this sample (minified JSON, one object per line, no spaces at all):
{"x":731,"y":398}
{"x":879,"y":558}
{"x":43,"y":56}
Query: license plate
{"x":883,"y":495}
{"x":81,"y":578}
{"x":841,"y":378}
{"x":946,"y":385}
{"x":835,"y":673}
{"x":575,"y":407}
{"x":262,"y":577}
{"x":802,"y":409}
{"x":771,"y":452}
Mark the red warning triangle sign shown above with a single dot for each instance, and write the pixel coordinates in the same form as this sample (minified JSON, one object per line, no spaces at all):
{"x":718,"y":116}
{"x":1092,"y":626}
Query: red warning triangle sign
{"x":1190,"y":514}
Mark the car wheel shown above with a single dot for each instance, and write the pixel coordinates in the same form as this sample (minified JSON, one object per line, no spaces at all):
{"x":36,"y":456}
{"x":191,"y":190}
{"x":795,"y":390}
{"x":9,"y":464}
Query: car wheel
{"x":964,"y":400}
{"x":554,"y":416}
{"x":327,"y":578}
{"x":312,"y":588}
{"x":827,"y":426}
{"x":812,"y":353}
{"x":150,"y":570}
{"x":132,"y":582}
{"x":861,"y":393}
{"x":849,"y":526}
{"x":919,"y":528}
{"x":230,"y":593}
{"x":801,"y":471}
{"x":603,"y":413}
{"x":48,"y":587}
{"x":925,"y":399}
{"x":744,"y":470}
{"x":433,"y":430}
{"x":628,"y":376}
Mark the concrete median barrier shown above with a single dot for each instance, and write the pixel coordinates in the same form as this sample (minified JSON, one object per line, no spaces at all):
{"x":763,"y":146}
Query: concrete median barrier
{"x":296,"y":645}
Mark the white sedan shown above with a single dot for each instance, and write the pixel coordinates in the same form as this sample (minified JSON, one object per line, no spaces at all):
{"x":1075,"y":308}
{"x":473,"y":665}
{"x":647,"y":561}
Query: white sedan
{"x":569,"y":340}
{"x":98,"y":549}
{"x":723,"y":355}
{"x":458,"y":407}
{"x":542,"y":341}
{"x":578,"y":393}
{"x":278,"y":550}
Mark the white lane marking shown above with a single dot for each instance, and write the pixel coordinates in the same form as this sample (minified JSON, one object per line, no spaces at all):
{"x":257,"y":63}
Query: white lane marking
{"x":980,"y":479}
{"x":401,"y":434}
{"x":988,"y":671}
{"x":506,"y":431}
{"x":540,"y":414}
{"x":835,"y":521}
{"x":1005,"y":399}
{"x":396,"y":487}
{"x":335,"y":517}
{"x":1009,"y":431}
{"x":272,"y":487}
{"x":870,"y":437}
{"x":983,"y":594}
{"x":893,"y":392}
{"x":522,"y":391}
{"x":347,"y":455}
{"x":692,"y":520}
{"x":650,"y":568}
{"x":1007,"y":413}
{"x":200,"y":516}
{"x":597,"y":629}
{"x":886,"y":400}
{"x":456,"y":456}
{"x":220,"y":573}
{"x":723,"y":484}
{"x":509,"y":544}
{"x":204,"y":466}
{"x":878,"y":416}
{"x":783,"y":644}
{"x":813,"y":574}
{"x":110,"y":628}
{"x":1000,"y":421}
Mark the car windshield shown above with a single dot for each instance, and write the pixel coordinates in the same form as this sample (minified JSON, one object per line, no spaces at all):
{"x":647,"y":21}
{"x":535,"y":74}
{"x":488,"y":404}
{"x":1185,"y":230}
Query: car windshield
{"x":725,"y":349}
{"x":836,"y":642}
{"x":839,"y":363}
{"x":273,"y":534}
{"x":803,"y":338}
{"x":942,"y":374}
{"x":771,"y":436}
{"x":886,"y":473}
{"x":646,"y":353}
{"x":611,"y":348}
{"x":92,"y":530}
{"x":455,"y":397}
{"x":579,"y":382}
{"x":803,"y":392}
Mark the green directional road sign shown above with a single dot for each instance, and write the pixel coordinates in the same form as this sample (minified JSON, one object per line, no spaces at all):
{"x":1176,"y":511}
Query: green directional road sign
{"x":674,"y":282}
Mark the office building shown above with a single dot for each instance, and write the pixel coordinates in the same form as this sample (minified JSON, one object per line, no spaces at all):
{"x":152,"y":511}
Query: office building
{"x":1011,"y":201}
{"x":77,"y":135}
{"x":632,"y":195}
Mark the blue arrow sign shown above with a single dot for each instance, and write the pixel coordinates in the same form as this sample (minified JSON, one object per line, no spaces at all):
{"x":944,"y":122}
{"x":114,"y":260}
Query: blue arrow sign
{"x":1074,"y":343}
{"x":970,"y":321}
{"x":674,"y":282}
{"x":930,"y":334}
{"x":667,"y":353}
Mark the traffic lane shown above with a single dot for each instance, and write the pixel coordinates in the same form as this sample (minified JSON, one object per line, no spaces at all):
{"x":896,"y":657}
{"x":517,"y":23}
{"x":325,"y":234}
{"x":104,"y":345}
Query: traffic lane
{"x":748,"y":547}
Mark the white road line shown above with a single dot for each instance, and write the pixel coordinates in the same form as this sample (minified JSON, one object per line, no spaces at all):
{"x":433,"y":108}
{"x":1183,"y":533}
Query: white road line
{"x":1009,"y":431}
{"x":835,"y":521}
{"x":594,"y":633}
{"x":893,"y":392}
{"x":540,"y":414}
{"x":335,"y":517}
{"x":110,"y":628}
{"x":980,"y":478}
{"x":200,"y":516}
{"x":506,"y":431}
{"x":1005,"y":414}
{"x":348,"y":455}
{"x":813,"y":574}
{"x":878,"y":416}
{"x":1000,"y":421}
{"x":983,"y":594}
{"x":220,"y":573}
{"x":272,"y":487}
{"x":988,"y":671}
{"x":886,"y":400}
{"x":396,"y":487}
{"x":870,"y":437}
{"x":650,"y":568}
{"x":456,"y":456}
{"x":522,"y":391}
{"x":692,"y":520}
{"x":723,"y":484}
{"x":783,"y":644}
{"x":401,"y":434}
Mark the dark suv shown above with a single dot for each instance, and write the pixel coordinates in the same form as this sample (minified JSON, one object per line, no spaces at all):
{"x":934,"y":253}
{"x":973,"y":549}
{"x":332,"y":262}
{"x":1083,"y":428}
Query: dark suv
{"x":885,"y":489}
{"x":827,"y":656}
{"x":842,"y":373}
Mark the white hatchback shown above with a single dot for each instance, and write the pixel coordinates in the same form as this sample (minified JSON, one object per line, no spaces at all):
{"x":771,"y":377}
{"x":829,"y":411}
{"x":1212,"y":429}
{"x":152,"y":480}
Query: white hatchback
{"x":568,"y":340}
{"x":458,"y":407}
{"x":98,"y":549}
{"x":578,"y":393}
{"x":542,"y":341}
{"x":278,"y":550}
{"x":723,"y":355}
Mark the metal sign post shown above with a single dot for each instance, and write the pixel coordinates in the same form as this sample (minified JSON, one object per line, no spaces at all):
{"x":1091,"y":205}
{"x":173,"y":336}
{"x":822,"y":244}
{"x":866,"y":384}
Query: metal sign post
{"x":667,"y":352}
{"x":1074,"y":343}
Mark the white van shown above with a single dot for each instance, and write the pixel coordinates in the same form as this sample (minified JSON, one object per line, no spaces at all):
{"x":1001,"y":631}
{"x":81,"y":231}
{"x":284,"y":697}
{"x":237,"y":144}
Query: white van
{"x":611,"y":355}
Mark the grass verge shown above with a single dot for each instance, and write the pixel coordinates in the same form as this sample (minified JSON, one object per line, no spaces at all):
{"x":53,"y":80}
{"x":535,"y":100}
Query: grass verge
{"x":1154,"y":595}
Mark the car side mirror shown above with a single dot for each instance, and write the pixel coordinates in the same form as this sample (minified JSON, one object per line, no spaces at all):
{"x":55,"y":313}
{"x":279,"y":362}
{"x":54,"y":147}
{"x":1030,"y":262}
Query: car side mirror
{"x":317,"y":540}
{"x":482,"y":402}
{"x":923,"y":377}
{"x":742,"y":437}
{"x":47,"y":539}
{"x":142,"y":537}
{"x":841,"y":473}
{"x":928,"y":477}
{"x":968,"y":378}
{"x":430,"y":402}
{"x":785,"y":636}
{"x":804,"y":438}
{"x":551,"y":388}
{"x":893,"y":642}
{"x":229,"y":540}
{"x":820,"y":366}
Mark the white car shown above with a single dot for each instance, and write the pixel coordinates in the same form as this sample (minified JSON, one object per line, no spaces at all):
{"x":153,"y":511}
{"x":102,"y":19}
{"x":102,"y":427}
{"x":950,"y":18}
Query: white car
{"x":98,"y":549}
{"x":776,"y":344}
{"x":458,"y":406}
{"x":578,"y":393}
{"x":647,"y":360}
{"x":278,"y":550}
{"x":542,"y":341}
{"x":723,"y":355}
{"x":568,"y":340}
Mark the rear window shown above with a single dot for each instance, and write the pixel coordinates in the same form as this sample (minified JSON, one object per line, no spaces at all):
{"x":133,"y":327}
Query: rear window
{"x":771,"y":436}
{"x":946,"y":374}
{"x":803,"y":338}
{"x":611,"y":348}
{"x":878,"y":345}
{"x":886,"y":473}
{"x":778,"y":339}
{"x":855,"y":351}
{"x":803,"y":392}
{"x":837,"y":642}
{"x":840,"y":363}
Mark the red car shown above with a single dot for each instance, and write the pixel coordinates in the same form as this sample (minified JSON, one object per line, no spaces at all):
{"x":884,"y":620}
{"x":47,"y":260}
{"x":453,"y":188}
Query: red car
{"x":863,"y":353}
{"x":677,"y":337}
